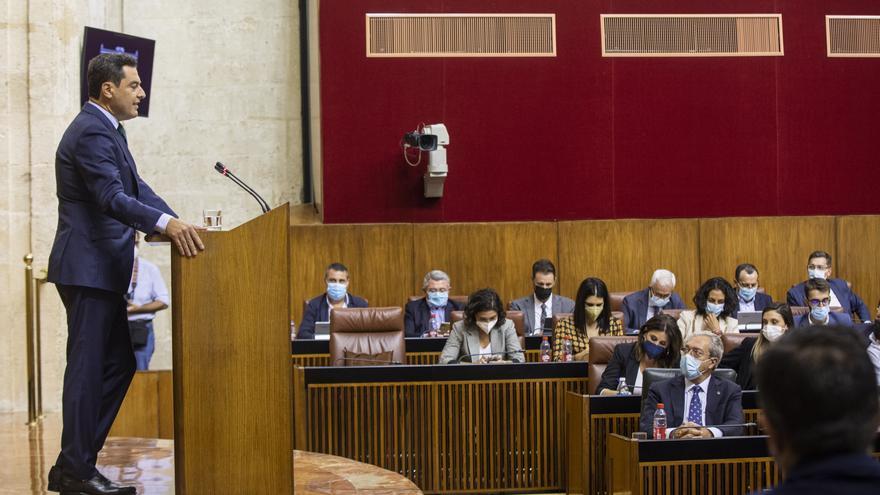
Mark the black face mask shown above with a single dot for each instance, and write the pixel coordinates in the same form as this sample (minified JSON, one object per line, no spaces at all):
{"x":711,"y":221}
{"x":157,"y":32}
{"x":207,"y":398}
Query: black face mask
{"x":542,"y":293}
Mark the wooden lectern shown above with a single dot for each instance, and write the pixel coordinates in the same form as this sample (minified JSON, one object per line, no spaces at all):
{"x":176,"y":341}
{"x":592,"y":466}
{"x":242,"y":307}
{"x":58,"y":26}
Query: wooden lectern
{"x":232,"y":370}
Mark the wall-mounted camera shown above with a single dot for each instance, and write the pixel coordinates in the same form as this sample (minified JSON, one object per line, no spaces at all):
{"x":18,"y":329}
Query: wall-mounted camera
{"x":432,"y":139}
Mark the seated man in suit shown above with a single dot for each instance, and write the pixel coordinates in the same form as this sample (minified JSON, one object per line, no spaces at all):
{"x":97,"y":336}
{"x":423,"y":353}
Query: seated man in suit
{"x":817,"y":292}
{"x":428,"y":313}
{"x":748,"y":297}
{"x":820,"y":409}
{"x":337,"y":296}
{"x":542,"y":304}
{"x":643,"y":305}
{"x":819,"y":266}
{"x":697,"y":404}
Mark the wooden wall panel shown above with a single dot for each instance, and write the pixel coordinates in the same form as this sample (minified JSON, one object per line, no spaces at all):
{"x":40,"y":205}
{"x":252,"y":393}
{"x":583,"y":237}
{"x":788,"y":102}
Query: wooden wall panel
{"x":478,"y":255}
{"x":624,"y":253}
{"x":379,"y":258}
{"x":166,"y":404}
{"x":778,"y":246}
{"x":858,"y":238}
{"x":139,"y":415}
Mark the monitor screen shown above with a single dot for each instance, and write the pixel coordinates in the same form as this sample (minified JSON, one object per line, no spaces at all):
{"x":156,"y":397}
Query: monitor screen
{"x":97,"y":41}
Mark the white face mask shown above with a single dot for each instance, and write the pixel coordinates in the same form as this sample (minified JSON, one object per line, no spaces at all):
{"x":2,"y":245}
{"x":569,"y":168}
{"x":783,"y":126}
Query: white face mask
{"x":487,"y":326}
{"x":772,"y":332}
{"x":816,"y":273}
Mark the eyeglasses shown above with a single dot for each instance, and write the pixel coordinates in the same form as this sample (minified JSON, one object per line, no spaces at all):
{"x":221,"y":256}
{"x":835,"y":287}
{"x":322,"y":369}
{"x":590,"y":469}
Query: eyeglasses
{"x":693,"y":351}
{"x":820,"y":302}
{"x":816,"y":267}
{"x":437,"y":291}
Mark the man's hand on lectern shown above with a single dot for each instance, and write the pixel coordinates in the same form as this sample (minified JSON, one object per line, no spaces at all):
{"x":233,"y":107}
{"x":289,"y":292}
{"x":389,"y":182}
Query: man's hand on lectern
{"x":185,"y":237}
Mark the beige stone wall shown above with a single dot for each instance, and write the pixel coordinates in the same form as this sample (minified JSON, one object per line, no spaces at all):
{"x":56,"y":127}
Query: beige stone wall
{"x":225,"y":87}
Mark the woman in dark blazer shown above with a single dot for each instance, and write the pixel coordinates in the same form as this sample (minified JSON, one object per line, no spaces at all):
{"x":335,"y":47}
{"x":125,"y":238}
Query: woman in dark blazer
{"x":659,"y":346}
{"x":776,"y":319}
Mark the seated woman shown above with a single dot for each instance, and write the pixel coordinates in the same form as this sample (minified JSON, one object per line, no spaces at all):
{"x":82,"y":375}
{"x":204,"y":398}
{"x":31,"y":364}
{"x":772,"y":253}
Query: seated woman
{"x":659,"y":346}
{"x":592,"y":317}
{"x":715,"y":302}
{"x":484,"y":335}
{"x":776,"y":319}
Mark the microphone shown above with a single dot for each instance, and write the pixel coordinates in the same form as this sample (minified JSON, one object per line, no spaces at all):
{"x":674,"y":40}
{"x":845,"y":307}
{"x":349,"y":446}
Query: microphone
{"x":365,"y":360}
{"x":497,"y":356}
{"x":222,"y":170}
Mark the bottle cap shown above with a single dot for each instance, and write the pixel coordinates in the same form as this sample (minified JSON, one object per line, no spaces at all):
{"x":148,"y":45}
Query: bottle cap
{"x":660,"y":405}
{"x":545,"y":338}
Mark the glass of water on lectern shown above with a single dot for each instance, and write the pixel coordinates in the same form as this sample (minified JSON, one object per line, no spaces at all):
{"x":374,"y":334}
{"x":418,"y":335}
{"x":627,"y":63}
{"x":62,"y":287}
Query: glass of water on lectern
{"x":212,"y":219}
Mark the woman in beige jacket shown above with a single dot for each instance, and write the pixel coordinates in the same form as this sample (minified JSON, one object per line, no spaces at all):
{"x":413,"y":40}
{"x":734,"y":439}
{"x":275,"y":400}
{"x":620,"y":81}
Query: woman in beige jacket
{"x":715,"y":302}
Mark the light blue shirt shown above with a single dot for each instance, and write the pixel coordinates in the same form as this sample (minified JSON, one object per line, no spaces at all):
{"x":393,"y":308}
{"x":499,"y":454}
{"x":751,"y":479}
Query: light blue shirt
{"x":150,"y":287}
{"x":164,"y":218}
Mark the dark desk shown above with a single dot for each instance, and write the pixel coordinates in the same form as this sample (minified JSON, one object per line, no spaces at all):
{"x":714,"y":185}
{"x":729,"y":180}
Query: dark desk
{"x":591,"y":419}
{"x":711,"y":466}
{"x":418,"y":351}
{"x":450,"y":429}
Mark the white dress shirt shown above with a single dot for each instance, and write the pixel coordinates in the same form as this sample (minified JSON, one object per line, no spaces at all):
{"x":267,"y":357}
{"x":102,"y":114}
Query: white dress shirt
{"x":162,"y":223}
{"x":150,"y":287}
{"x":835,"y":302}
{"x":874,"y":354}
{"x":548,"y":304}
{"x":704,"y":398}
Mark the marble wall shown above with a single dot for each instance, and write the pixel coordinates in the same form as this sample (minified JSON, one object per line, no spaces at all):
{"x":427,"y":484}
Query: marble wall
{"x":226,"y":87}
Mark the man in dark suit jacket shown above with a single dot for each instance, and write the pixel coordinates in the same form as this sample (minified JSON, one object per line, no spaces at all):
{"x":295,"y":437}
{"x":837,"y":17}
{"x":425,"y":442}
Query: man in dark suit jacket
{"x":818,"y":297}
{"x":101,"y":201}
{"x":318,"y":308}
{"x":819,"y":266}
{"x":820,"y":404}
{"x":640,"y":306}
{"x":541,"y":301}
{"x":428,"y":313}
{"x":696,"y":403}
{"x":748,"y":297}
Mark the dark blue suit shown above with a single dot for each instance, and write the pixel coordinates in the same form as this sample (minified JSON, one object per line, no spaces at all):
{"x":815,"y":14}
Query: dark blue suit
{"x":318,"y":310}
{"x":101,"y":201}
{"x":761,"y":302}
{"x":635,"y":308}
{"x":723,"y":406}
{"x":834,"y":318}
{"x":850,"y":474}
{"x":849,"y":300}
{"x":417,"y":317}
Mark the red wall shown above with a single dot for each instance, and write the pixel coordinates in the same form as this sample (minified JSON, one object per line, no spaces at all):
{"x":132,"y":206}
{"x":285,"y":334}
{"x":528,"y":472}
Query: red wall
{"x":580,"y":136}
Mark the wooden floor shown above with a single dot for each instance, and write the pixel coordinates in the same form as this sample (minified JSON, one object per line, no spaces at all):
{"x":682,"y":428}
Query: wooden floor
{"x":27,"y":453}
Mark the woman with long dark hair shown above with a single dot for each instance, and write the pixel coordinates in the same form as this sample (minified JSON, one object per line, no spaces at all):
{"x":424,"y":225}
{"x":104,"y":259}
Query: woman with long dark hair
{"x":659,"y":346}
{"x":591,"y":317}
{"x":715,"y":301}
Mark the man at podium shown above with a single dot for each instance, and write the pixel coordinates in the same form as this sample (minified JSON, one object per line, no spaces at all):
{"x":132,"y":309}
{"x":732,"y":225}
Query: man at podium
{"x":101,"y":202}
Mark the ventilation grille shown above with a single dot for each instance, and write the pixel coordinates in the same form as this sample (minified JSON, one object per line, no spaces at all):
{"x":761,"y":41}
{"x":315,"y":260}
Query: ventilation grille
{"x":687,"y":35}
{"x":853,"y":36}
{"x":461,"y":35}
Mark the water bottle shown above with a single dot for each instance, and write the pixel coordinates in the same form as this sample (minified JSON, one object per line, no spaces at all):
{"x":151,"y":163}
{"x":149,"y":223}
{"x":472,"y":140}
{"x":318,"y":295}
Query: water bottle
{"x":545,"y":350}
{"x":622,"y":389}
{"x":567,"y":353}
{"x":660,"y":423}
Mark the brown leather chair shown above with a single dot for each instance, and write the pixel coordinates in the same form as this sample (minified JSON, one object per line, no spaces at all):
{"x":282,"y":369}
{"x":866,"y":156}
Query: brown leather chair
{"x":601,"y":349}
{"x":799,"y":310}
{"x":370,"y":331}
{"x":618,"y":315}
{"x":617,"y":300}
{"x":457,"y":316}
{"x":732,"y":340}
{"x":675,"y":313}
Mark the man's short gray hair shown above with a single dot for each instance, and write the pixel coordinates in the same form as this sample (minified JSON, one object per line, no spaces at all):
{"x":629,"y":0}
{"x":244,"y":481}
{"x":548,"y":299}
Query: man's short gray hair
{"x":437,"y":275}
{"x":663,"y":277}
{"x":716,"y":347}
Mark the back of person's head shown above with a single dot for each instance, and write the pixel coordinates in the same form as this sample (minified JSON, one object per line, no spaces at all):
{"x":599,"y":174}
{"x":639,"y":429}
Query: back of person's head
{"x":483,"y":300}
{"x":669,"y":326}
{"x":818,"y":392}
{"x":543,"y":266}
{"x":817,"y":284}
{"x":716,"y":283}
{"x":595,"y":287}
